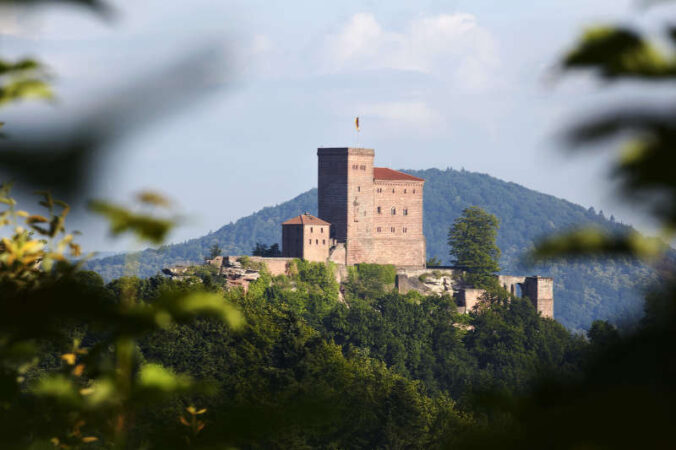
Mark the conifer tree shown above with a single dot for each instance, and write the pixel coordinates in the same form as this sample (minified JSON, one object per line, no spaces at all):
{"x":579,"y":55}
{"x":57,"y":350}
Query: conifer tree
{"x":473,"y":248}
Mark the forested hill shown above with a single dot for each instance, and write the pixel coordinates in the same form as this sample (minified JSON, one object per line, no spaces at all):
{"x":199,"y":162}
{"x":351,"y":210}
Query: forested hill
{"x":584,"y":291}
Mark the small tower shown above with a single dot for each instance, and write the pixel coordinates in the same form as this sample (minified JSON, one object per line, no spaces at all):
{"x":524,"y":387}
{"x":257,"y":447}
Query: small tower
{"x":540,"y":290}
{"x":306,"y":237}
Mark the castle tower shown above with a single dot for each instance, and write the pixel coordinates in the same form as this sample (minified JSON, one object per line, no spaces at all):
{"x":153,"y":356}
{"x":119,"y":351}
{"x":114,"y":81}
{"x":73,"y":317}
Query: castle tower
{"x":345,"y":198}
{"x":306,"y":237}
{"x":375,"y":212}
{"x":540,"y":290}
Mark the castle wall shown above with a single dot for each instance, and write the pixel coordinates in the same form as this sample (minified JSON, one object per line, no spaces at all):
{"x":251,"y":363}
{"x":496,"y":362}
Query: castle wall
{"x":511,"y":283}
{"x":540,"y":290}
{"x":397,"y":224}
{"x":316,"y":243}
{"x":399,"y":252}
{"x":332,"y":195}
{"x":275,"y":265}
{"x":292,"y":241}
{"x":359,"y":242}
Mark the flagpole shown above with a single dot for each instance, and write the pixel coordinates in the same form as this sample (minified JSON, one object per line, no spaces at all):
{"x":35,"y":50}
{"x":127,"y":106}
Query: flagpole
{"x":356,"y":124}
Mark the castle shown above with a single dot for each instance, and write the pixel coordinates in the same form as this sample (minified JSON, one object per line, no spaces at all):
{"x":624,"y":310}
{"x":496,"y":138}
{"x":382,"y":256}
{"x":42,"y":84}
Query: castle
{"x":374,"y":215}
{"x":366,"y":214}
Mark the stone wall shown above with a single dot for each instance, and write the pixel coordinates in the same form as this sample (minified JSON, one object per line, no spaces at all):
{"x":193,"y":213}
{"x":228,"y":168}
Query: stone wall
{"x":469,"y":299}
{"x":541,"y":292}
{"x":316,"y":243}
{"x":292,"y":241}
{"x":275,"y":265}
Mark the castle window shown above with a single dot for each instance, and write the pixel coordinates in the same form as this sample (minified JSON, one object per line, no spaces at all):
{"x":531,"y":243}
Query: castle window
{"x":414,"y":191}
{"x":406,"y":211}
{"x":317,"y":241}
{"x":404,"y":191}
{"x":379,"y":210}
{"x":393,"y":211}
{"x":379,"y":229}
{"x":392,"y":229}
{"x":404,"y":229}
{"x":380,"y":190}
{"x":321,"y":229}
{"x":358,"y":188}
{"x":323,"y":241}
{"x":310,"y":242}
{"x":311,"y":230}
{"x":362,"y":167}
{"x":393,"y":190}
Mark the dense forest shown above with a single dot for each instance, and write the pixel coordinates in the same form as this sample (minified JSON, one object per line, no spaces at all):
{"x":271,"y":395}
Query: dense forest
{"x":584,"y":290}
{"x":377,"y":370}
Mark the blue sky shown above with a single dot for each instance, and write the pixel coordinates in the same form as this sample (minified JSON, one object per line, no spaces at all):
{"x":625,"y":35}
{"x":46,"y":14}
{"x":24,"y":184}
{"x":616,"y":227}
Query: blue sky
{"x":462,"y":84}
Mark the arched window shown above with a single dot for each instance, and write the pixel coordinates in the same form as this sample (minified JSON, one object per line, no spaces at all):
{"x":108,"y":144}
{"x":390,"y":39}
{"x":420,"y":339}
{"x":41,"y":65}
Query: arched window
{"x":393,"y":211}
{"x":392,"y":229}
{"x":379,"y":210}
{"x":404,"y":191}
{"x":379,"y":229}
{"x":310,"y":241}
{"x":317,"y":241}
{"x":311,"y":230}
{"x":406,"y":211}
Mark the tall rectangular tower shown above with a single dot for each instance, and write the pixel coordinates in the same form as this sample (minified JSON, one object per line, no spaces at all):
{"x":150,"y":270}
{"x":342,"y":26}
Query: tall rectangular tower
{"x":345,"y":198}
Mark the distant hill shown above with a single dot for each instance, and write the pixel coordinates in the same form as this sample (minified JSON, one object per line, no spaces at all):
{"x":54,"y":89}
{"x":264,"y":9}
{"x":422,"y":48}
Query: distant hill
{"x":584,"y":290}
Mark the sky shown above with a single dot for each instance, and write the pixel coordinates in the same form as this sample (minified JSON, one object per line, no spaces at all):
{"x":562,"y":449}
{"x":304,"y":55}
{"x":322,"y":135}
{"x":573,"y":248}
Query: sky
{"x":461,"y":84}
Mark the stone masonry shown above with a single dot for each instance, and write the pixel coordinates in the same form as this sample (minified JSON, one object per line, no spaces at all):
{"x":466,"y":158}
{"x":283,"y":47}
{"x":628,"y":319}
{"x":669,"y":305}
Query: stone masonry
{"x":375,"y":212}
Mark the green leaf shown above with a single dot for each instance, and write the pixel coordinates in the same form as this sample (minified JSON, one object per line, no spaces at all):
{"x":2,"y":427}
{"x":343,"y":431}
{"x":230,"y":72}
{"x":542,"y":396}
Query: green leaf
{"x":145,"y":227}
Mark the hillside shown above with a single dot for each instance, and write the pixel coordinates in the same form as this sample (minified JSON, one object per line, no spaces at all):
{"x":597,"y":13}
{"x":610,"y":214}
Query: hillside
{"x":584,"y":291}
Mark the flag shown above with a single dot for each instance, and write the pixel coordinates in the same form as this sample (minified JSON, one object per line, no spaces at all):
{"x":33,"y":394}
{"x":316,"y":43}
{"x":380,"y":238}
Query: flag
{"x":356,"y":123}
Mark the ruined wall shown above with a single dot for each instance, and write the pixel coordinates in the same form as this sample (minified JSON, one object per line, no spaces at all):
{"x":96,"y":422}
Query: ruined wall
{"x":337,"y":253}
{"x":468,"y":299}
{"x":540,"y":290}
{"x":513,"y":285}
{"x":275,"y":265}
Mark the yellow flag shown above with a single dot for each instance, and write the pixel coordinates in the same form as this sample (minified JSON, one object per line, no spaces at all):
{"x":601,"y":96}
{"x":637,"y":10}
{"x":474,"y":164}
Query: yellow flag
{"x":356,"y":123}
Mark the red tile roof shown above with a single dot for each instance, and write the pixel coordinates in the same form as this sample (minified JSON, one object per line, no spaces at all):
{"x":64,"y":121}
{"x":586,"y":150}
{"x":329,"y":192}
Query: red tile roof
{"x":383,"y":173}
{"x":305,"y":219}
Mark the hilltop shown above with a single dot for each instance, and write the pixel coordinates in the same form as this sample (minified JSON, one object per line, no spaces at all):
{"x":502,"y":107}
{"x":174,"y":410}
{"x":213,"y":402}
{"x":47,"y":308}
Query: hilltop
{"x":584,"y":290}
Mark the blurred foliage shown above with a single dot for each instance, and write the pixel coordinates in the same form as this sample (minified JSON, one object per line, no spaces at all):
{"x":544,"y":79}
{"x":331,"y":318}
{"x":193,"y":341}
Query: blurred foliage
{"x":624,"y":396}
{"x":24,"y":79}
{"x":145,"y":225}
{"x":98,"y":384}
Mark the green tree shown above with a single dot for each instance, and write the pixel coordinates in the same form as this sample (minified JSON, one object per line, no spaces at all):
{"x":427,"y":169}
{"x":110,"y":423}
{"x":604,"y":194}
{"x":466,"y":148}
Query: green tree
{"x":215,"y":251}
{"x":472,"y":239}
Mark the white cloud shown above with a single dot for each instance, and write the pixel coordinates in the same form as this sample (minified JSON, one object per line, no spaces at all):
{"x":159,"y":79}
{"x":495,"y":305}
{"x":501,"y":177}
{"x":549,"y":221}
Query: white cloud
{"x":452,"y":47}
{"x":413,"y":113}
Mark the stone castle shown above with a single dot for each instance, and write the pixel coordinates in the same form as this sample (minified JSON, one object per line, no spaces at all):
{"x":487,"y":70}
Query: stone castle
{"x":374,"y":215}
{"x":366,"y":214}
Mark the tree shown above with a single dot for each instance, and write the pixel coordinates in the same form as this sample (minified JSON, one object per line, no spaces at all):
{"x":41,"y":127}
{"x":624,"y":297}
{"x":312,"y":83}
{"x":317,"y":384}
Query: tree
{"x":263,"y":250}
{"x":434,"y":262}
{"x":215,"y":251}
{"x":473,"y":247}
